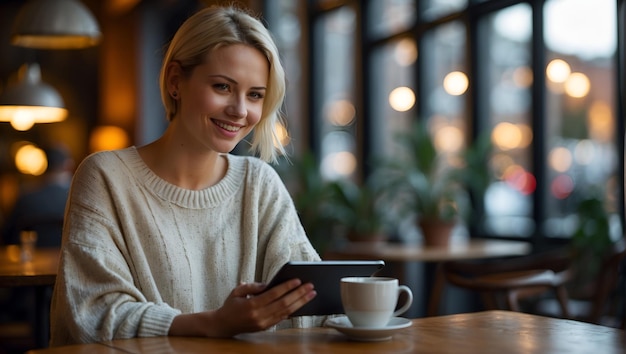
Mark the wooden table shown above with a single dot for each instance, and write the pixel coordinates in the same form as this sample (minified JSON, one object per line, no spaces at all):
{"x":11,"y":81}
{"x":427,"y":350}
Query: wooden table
{"x":399,"y":256}
{"x":458,"y":250}
{"x":481,"y":332}
{"x":39,"y":273}
{"x":42,"y":270}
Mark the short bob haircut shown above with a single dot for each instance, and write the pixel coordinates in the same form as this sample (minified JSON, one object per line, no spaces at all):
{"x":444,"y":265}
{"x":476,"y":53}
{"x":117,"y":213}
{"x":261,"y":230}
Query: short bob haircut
{"x":215,"y":27}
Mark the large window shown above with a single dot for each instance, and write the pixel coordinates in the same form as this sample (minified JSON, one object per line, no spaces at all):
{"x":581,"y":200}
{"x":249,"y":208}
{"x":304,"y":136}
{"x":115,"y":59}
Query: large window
{"x":581,"y":46}
{"x":506,"y":99}
{"x":392,"y":92}
{"x":336,"y":116}
{"x":538,"y":78}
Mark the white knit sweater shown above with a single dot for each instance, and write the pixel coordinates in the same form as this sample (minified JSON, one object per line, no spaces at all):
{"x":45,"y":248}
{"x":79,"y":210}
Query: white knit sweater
{"x":137,"y":250}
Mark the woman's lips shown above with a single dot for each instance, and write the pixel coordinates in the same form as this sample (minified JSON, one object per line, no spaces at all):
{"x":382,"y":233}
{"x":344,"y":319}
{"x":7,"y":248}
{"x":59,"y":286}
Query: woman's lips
{"x":226,"y":126}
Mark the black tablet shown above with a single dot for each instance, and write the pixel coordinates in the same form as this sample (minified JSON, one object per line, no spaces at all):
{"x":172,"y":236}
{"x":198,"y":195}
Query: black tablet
{"x":325,"y":276}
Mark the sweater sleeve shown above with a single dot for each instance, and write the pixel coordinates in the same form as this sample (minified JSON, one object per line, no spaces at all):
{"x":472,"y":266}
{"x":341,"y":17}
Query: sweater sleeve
{"x":280,"y":224}
{"x":95,"y":297}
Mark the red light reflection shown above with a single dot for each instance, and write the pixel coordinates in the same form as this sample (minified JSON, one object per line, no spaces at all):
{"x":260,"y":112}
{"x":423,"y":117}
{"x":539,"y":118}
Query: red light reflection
{"x":562,"y":186}
{"x":520,"y":179}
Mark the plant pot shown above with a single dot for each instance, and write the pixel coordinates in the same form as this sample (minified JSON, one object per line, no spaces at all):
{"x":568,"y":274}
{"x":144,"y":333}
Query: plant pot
{"x":436,"y":233}
{"x":373,"y":238}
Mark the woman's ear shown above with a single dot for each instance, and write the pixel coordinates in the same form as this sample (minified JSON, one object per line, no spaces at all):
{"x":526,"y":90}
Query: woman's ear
{"x":173,"y":75}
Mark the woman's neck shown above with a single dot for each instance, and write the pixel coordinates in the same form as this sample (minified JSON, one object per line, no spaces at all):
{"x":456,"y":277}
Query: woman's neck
{"x":183,"y":166}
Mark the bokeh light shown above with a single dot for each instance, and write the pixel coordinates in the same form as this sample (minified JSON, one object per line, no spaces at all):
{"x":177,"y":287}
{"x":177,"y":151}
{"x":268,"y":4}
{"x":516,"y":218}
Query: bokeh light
{"x":455,"y":83}
{"x":562,"y":186}
{"x":560,"y":159}
{"x":520,"y":179}
{"x":405,"y":52}
{"x":600,"y":121}
{"x":338,"y":164}
{"x":449,"y":139}
{"x":506,"y":136}
{"x":577,"y":85}
{"x":527,"y":135}
{"x":340,"y":112}
{"x":108,"y":137}
{"x":558,"y":71}
{"x":523,"y":76}
{"x":29,"y":159}
{"x":584,"y":152}
{"x":402,"y":99}
{"x":500,"y":162}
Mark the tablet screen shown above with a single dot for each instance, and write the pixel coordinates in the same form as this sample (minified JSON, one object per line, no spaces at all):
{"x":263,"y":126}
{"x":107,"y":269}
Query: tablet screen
{"x":325,"y":276}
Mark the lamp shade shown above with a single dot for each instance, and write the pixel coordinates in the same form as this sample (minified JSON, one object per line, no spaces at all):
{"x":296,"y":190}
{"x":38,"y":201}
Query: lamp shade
{"x":55,"y":24}
{"x":31,"y":101}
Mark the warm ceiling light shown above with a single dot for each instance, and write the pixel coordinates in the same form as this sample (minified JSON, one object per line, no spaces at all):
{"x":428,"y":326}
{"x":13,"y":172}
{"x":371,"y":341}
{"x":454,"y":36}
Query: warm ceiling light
{"x":31,"y":160}
{"x":108,"y":137}
{"x":55,"y":24}
{"x":31,"y":101}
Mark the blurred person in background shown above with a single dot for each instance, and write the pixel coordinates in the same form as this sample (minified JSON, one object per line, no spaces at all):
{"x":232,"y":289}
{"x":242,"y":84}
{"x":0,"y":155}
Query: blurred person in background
{"x":41,"y":209}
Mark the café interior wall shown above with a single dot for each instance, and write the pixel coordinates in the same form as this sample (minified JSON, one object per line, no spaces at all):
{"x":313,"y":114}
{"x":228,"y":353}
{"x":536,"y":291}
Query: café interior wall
{"x":73,"y":73}
{"x":113,"y":83}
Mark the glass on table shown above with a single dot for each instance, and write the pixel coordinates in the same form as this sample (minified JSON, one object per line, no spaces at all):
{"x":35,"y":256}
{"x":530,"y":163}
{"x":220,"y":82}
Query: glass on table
{"x":28,"y":241}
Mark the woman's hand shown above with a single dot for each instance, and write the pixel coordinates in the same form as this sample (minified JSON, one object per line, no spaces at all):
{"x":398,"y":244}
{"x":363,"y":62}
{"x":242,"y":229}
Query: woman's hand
{"x":248,"y":308}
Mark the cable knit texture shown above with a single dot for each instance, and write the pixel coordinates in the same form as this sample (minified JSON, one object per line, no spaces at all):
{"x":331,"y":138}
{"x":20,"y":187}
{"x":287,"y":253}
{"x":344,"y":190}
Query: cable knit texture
{"x":137,"y":250}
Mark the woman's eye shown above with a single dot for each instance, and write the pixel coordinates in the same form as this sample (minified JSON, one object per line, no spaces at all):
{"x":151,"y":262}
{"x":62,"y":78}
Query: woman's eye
{"x":221,"y":87}
{"x":256,"y":95}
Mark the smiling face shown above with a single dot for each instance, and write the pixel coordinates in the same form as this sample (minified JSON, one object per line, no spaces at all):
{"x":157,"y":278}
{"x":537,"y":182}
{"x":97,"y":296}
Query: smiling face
{"x":221,"y":100}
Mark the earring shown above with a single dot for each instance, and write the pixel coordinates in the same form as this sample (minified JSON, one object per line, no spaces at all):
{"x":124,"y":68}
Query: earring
{"x":175,"y":94}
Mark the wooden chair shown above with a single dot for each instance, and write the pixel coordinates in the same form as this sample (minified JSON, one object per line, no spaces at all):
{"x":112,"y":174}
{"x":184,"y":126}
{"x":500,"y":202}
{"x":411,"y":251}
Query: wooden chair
{"x":503,"y":282}
{"x":603,"y":304}
{"x":607,"y":283}
{"x":522,"y":277}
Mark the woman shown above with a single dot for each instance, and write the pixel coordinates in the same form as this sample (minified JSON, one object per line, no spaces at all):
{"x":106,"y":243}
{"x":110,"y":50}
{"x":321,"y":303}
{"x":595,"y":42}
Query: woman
{"x":178,"y":237}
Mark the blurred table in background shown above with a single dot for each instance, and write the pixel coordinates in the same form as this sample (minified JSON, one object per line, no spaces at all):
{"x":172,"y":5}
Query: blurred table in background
{"x":398,"y":258}
{"x":39,"y":273}
{"x":457,"y":250}
{"x":42,"y":270}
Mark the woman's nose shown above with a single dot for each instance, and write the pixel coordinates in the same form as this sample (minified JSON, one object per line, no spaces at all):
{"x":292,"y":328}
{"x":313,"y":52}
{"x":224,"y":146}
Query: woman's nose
{"x":237,"y":107}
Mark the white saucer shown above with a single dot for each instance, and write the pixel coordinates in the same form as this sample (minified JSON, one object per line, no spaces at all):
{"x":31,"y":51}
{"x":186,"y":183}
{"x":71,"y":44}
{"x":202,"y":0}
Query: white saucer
{"x":343,"y":325}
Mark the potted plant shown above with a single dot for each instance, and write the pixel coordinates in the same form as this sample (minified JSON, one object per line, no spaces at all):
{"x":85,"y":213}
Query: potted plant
{"x":475,"y":177}
{"x":361,"y":211}
{"x":313,"y":199}
{"x":591,"y":242}
{"x":426,"y":187}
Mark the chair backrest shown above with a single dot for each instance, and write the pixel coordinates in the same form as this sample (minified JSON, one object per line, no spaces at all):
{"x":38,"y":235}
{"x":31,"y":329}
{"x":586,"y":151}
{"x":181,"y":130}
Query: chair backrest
{"x":514,"y":277}
{"x":556,"y":260}
{"x":607,"y":281}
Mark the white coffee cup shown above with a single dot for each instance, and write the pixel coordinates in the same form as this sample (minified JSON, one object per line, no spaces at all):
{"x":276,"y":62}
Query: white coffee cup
{"x":369,"y":302}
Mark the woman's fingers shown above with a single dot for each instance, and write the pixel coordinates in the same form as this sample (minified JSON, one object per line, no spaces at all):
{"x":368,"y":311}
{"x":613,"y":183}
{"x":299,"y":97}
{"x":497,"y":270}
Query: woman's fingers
{"x":250,"y":308}
{"x":292,"y":301}
{"x":248,"y":289}
{"x":284,"y":299}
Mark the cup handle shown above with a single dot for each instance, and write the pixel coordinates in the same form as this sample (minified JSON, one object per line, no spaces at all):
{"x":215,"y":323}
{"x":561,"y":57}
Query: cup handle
{"x":409,"y":300}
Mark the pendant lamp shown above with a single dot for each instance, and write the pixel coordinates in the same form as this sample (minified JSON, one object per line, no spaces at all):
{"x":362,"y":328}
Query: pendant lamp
{"x":55,"y":24}
{"x":31,"y":101}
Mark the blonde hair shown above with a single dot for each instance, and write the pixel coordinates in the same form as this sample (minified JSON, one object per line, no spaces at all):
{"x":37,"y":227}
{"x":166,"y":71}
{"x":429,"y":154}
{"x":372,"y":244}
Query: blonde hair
{"x":214,"y":27}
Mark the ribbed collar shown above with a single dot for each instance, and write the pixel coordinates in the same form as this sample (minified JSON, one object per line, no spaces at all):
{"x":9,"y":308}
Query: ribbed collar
{"x":193,"y":199}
